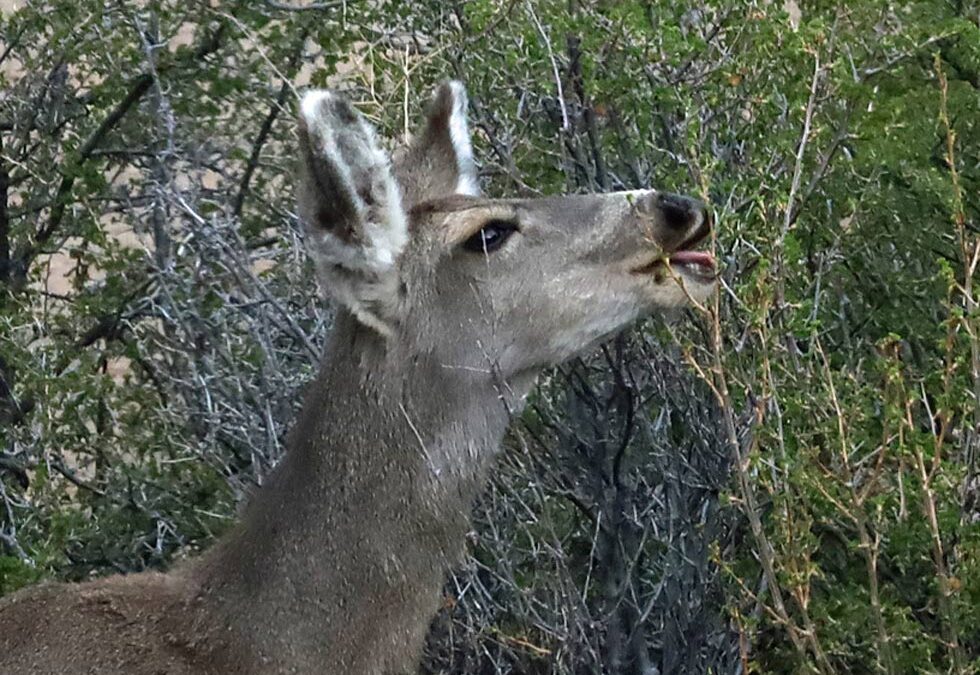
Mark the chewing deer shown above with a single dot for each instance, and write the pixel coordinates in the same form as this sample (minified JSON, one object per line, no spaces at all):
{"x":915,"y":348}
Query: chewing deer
{"x":449,"y":304}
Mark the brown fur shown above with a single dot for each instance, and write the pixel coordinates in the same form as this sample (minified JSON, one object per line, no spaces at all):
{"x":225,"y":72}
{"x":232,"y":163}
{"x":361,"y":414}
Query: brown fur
{"x":115,"y":625}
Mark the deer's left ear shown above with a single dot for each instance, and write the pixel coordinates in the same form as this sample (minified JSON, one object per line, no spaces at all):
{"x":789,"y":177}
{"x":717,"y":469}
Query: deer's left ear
{"x":439,"y":160}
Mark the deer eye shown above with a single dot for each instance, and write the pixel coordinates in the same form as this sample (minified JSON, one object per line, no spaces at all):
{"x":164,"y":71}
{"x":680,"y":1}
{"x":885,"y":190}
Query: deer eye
{"x":491,"y":236}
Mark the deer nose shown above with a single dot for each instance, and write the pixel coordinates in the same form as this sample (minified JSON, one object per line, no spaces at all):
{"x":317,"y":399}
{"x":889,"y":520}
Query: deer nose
{"x":679,"y":212}
{"x":679,"y":218}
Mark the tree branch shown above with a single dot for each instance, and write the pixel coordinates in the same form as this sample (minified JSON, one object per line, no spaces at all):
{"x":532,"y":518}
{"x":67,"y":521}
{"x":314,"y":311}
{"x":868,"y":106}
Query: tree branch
{"x":4,"y":219}
{"x":137,"y":89}
{"x":574,"y":46}
{"x":266,"y":129}
{"x":304,"y":8}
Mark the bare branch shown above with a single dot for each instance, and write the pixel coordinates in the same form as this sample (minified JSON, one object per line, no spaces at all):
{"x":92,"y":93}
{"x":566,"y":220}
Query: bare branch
{"x":305,"y":8}
{"x":136,"y":90}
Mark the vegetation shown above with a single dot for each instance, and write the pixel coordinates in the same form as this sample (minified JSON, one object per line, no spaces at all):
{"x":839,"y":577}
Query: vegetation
{"x":785,"y":480}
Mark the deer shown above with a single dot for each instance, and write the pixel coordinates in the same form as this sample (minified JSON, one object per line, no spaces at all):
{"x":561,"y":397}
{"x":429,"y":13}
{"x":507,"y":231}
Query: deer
{"x":448,"y":305}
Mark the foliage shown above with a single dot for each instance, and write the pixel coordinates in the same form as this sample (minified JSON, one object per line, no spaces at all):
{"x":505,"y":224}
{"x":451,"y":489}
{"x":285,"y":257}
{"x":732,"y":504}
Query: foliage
{"x":784,"y":481}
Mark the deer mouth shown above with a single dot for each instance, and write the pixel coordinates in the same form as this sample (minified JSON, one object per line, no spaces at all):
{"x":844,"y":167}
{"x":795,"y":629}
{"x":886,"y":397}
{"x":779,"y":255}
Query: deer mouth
{"x":697,"y":265}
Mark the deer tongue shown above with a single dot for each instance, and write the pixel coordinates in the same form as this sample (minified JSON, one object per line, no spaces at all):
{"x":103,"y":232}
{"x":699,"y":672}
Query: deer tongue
{"x":692,"y":258}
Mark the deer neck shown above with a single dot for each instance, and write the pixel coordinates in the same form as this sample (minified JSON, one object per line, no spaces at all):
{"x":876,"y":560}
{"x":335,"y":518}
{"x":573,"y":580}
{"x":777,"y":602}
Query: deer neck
{"x":348,"y":543}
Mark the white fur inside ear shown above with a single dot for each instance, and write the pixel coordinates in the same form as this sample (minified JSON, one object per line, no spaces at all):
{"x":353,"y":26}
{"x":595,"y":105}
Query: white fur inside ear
{"x":310,"y":103}
{"x":459,"y":136}
{"x":351,"y":147}
{"x":355,"y":259}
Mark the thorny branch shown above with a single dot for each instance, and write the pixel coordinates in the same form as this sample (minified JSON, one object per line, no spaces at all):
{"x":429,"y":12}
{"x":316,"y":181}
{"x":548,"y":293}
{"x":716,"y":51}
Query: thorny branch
{"x":137,"y":88}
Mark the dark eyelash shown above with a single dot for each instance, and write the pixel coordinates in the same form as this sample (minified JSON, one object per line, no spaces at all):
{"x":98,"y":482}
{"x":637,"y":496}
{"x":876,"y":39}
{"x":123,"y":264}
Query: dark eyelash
{"x":491,"y":236}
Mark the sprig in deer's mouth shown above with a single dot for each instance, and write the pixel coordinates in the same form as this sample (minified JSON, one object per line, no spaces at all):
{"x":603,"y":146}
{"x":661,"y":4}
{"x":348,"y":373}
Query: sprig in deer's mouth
{"x":697,"y":265}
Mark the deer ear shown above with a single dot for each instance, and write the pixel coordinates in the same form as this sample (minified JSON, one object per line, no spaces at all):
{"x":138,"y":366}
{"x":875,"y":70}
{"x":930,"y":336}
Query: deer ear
{"x":350,"y":207}
{"x":439,"y":160}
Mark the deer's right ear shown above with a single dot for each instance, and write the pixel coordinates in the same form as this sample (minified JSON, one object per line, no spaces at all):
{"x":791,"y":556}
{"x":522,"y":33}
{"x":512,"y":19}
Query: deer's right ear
{"x":350,"y":207}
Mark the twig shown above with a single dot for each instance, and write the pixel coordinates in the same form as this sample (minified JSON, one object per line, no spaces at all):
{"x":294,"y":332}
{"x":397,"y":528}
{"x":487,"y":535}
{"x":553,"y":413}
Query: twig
{"x":588,"y":112}
{"x":265,"y":130}
{"x":972,"y":436}
{"x":137,"y":89}
{"x":789,"y":214}
{"x":304,"y":8}
{"x":554,"y":64}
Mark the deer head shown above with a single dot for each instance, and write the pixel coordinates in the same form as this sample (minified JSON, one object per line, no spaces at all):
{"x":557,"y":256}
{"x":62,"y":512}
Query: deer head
{"x":417,"y":255}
